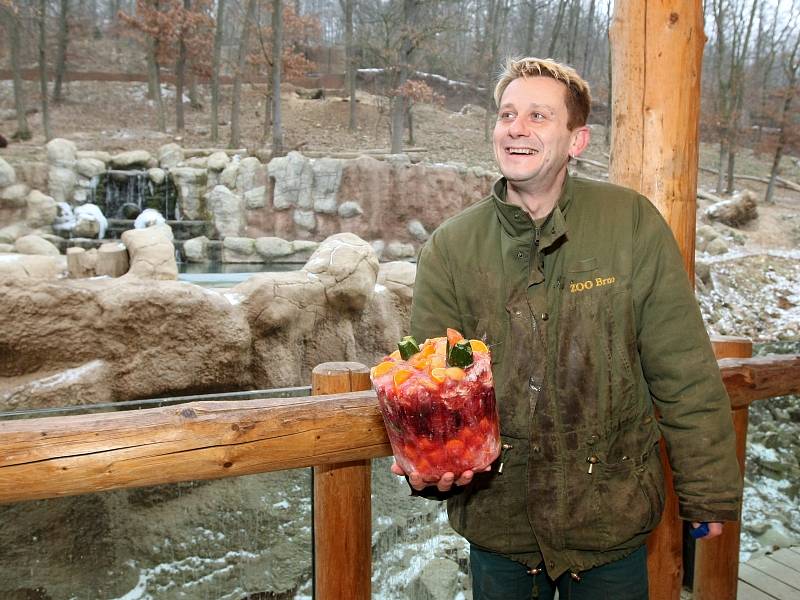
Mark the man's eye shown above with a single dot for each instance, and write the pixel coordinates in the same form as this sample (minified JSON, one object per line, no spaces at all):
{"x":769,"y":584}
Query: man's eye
{"x":505,"y":116}
{"x":537,"y":116}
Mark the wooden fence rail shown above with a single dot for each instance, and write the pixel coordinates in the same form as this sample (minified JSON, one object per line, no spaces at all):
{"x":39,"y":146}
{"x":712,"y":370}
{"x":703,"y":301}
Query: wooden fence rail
{"x":62,"y":456}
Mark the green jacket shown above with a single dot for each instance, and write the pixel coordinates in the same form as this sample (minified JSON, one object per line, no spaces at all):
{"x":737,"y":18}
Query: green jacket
{"x":592,"y":322}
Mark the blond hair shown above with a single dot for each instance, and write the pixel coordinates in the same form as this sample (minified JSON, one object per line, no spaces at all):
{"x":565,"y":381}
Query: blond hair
{"x":578,"y":97}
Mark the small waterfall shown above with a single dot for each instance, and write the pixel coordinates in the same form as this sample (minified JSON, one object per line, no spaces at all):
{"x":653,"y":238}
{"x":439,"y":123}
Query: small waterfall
{"x":125,"y":194}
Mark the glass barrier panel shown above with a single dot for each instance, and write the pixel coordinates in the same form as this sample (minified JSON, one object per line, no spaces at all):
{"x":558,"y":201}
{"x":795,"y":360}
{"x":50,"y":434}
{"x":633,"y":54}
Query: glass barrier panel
{"x":415,"y":552}
{"x":228,"y":539}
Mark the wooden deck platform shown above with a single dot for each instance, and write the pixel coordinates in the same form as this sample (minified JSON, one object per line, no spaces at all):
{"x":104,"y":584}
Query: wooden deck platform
{"x":771,"y":577}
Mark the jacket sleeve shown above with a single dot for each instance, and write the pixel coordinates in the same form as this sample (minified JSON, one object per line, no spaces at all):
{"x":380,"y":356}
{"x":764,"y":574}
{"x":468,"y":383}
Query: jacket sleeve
{"x":683,"y":375}
{"x":434,"y":307}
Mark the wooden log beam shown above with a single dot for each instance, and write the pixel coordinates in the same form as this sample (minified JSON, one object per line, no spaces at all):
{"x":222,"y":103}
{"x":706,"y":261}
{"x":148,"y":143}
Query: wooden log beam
{"x":64,"y":456}
{"x":758,"y":378}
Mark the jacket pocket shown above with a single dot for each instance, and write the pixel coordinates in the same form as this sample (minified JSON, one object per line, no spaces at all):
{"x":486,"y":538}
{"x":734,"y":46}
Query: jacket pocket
{"x":614,"y":503}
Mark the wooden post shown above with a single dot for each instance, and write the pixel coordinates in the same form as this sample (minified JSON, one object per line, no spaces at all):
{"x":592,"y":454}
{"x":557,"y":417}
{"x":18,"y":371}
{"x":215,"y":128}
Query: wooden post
{"x":716,"y":562}
{"x":656,"y":53}
{"x":342,"y":504}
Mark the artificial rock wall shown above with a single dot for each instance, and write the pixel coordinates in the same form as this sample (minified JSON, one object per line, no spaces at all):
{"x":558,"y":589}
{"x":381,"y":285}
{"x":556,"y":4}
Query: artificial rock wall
{"x":391,"y":203}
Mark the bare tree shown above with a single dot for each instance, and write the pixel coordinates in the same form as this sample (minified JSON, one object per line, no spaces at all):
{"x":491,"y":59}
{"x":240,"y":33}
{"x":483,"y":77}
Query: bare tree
{"x":733,"y":20}
{"x":350,"y":69}
{"x":277,"y":51}
{"x":215,"y":70}
{"x":241,"y":63}
{"x":588,"y":53}
{"x":8,"y":12}
{"x":407,"y":46}
{"x":791,"y":66}
{"x":498,"y":9}
{"x":61,"y":57}
{"x":43,"y":67}
{"x":180,"y":69}
{"x":562,"y":6}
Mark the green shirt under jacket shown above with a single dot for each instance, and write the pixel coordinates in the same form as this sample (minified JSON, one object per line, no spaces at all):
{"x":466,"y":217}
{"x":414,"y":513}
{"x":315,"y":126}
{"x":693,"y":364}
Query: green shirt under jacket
{"x":592,"y":323}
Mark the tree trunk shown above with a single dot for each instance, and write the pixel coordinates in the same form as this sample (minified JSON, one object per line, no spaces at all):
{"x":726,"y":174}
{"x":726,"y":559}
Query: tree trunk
{"x":350,"y":62}
{"x":180,"y":73}
{"x":12,"y":26}
{"x":556,"y":28}
{"x":61,"y":61}
{"x":791,"y":68}
{"x":241,"y":62}
{"x":729,"y":187}
{"x":721,"y":170}
{"x":573,"y":26}
{"x":194,"y":99}
{"x":96,"y":33}
{"x":588,"y":54}
{"x":277,"y":51}
{"x":215,"y":68}
{"x":151,"y":67}
{"x":43,"y":68}
{"x":407,"y":45}
{"x":530,"y":32}
{"x":497,"y":14}
{"x":154,"y":75}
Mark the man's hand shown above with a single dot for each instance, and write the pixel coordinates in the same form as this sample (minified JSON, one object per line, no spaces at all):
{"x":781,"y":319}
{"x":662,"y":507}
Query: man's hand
{"x":443,"y":485}
{"x":714,"y":529}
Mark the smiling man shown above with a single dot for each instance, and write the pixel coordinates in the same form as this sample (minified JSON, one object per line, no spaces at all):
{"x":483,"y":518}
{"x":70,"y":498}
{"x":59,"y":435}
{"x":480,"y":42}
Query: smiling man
{"x":598,"y":349}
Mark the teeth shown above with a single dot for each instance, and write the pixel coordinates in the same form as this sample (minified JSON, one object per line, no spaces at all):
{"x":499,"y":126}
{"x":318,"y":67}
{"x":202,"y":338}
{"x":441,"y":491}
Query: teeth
{"x":521,"y":151}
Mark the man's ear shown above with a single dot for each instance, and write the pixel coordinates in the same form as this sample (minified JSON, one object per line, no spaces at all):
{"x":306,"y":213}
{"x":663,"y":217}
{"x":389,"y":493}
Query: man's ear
{"x":580,"y":139}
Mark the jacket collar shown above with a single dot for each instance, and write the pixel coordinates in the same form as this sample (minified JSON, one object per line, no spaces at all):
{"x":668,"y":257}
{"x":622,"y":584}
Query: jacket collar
{"x":518,"y":223}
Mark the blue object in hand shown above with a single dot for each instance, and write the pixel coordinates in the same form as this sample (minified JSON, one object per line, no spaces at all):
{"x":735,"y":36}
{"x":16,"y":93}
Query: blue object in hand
{"x":699,"y":532}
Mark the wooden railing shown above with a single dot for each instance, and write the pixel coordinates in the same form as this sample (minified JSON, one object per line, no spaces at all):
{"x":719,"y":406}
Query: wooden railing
{"x":337,"y":433}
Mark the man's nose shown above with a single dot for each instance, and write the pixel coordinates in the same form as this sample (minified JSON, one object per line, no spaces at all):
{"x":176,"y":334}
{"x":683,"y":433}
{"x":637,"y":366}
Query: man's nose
{"x":518,"y":128}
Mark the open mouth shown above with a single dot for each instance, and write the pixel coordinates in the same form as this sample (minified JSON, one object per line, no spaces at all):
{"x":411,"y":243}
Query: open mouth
{"x":521,"y":151}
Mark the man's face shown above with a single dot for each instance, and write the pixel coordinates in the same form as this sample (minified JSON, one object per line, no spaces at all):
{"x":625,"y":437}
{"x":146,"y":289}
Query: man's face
{"x":531,"y":141}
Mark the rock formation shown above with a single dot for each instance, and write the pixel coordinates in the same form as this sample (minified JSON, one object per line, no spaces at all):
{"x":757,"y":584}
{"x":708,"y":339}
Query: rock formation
{"x":89,"y":340}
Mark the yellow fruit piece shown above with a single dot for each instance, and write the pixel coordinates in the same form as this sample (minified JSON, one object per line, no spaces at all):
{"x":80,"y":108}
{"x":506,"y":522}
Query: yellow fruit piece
{"x":438,"y":361}
{"x":418,"y":361}
{"x":401,"y":376}
{"x":427,"y":349}
{"x":478,"y":346}
{"x":395,"y":355}
{"x":382,"y":368}
{"x":439,"y":374}
{"x":455,"y":373}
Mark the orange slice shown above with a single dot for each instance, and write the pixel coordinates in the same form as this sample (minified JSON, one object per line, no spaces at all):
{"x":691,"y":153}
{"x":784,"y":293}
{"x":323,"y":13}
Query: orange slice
{"x":478,"y":346}
{"x":382,"y":368}
{"x":395,"y":355}
{"x":400,"y":376}
{"x":427,"y":349}
{"x":439,"y":374}
{"x":454,"y":373}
